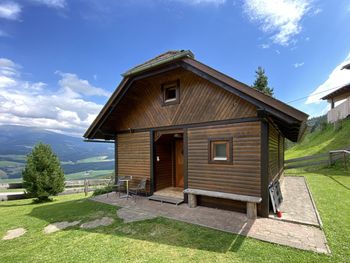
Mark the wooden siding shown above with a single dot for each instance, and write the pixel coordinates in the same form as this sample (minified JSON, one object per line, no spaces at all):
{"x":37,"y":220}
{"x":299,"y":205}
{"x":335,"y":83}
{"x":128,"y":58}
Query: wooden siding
{"x":241,"y":177}
{"x":221,"y":203}
{"x":281,"y":152}
{"x":134,"y":156}
{"x":200,"y":101}
{"x":273,"y":152}
{"x":164,"y":168}
{"x":276,"y":153}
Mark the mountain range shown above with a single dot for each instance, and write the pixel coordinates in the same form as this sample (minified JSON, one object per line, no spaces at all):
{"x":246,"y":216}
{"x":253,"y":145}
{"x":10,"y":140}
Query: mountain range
{"x":76,"y":156}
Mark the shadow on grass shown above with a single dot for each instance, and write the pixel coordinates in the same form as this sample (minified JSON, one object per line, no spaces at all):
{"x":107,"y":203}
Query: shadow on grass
{"x":159,"y":230}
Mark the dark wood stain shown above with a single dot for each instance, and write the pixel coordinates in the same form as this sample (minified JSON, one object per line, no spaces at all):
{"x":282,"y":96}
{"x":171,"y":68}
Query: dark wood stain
{"x":200,"y":101}
{"x":240,"y":177}
{"x":134,"y":156}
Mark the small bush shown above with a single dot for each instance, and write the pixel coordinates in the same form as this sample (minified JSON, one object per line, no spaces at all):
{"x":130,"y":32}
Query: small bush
{"x":104,"y":190}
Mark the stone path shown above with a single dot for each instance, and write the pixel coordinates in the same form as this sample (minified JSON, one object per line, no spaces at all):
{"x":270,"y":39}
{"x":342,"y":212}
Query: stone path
{"x":104,"y":221}
{"x":297,"y":205}
{"x":300,"y":236}
{"x":134,"y":214}
{"x":54,"y":227}
{"x":14,"y":233}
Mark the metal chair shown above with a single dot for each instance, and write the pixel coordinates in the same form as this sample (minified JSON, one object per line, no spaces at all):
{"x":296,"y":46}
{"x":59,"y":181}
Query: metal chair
{"x":141,"y":187}
{"x":116,"y":187}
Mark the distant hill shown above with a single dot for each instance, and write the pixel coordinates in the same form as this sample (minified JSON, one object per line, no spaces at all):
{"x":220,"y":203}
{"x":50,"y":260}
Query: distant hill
{"x":75,"y":154}
{"x":321,"y":138}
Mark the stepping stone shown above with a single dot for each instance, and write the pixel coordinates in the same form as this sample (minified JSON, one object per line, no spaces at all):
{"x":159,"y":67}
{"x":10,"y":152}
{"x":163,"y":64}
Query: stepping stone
{"x":133,"y":215}
{"x":104,"y":221}
{"x":59,"y":226}
{"x":14,"y":233}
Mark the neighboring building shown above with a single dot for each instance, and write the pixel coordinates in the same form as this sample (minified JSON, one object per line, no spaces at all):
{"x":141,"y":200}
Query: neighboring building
{"x":342,"y":110}
{"x":186,"y":126}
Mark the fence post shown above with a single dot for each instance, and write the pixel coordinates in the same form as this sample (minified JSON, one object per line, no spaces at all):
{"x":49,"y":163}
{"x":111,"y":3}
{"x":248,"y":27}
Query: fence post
{"x":330,"y":159}
{"x":345,"y":160}
{"x":86,"y":187}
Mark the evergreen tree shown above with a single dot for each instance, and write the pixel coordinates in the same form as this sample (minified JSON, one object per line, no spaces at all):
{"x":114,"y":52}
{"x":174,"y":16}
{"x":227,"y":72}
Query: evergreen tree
{"x":261,"y":82}
{"x":43,"y":175}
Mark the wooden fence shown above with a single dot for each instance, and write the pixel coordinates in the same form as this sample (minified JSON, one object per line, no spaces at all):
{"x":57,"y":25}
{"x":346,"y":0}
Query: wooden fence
{"x":319,"y":159}
{"x":71,"y":187}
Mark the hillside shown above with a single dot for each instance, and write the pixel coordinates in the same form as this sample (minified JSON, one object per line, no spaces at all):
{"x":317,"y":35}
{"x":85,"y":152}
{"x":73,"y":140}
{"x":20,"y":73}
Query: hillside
{"x":77,"y":157}
{"x":321,"y":140}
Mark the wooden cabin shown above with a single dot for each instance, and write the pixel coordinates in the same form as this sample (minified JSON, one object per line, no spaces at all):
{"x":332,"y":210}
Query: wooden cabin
{"x":342,"y":110}
{"x":197,"y":134}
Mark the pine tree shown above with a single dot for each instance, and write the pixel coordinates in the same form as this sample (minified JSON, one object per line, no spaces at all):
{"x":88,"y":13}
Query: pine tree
{"x":43,"y":175}
{"x":261,"y":82}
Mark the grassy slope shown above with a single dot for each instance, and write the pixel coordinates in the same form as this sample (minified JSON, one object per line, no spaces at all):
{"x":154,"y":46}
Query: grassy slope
{"x":163,"y":240}
{"x":322,"y":141}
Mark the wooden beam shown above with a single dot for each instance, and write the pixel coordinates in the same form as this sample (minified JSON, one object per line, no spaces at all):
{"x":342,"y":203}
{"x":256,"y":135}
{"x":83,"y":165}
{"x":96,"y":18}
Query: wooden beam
{"x":264,"y":211}
{"x":196,"y":125}
{"x":152,"y":161}
{"x":185,"y":156}
{"x":116,"y":158}
{"x":236,"y":197}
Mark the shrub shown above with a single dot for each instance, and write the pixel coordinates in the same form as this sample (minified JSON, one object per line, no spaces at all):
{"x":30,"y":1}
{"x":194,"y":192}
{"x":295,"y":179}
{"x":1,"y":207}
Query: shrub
{"x":43,"y":175}
{"x":101,"y":191}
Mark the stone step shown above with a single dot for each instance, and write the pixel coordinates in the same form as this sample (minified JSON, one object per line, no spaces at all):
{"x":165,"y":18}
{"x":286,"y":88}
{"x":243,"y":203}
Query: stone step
{"x":166,"y":199}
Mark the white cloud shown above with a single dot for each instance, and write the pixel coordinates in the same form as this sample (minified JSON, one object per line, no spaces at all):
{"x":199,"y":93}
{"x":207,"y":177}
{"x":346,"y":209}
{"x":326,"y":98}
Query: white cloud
{"x":33,"y":104}
{"x":335,"y":80}
{"x":72,"y":84}
{"x":52,"y":3}
{"x":281,"y":18}
{"x":264,"y":46}
{"x":297,"y":65}
{"x":10,"y":10}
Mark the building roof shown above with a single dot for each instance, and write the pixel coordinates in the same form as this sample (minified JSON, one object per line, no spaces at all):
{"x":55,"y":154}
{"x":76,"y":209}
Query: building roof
{"x":289,"y":120}
{"x":158,"y":60}
{"x":338,"y":93}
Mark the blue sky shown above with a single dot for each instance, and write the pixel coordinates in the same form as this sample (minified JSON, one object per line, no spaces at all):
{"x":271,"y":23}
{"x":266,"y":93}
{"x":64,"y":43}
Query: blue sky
{"x":60,"y":59}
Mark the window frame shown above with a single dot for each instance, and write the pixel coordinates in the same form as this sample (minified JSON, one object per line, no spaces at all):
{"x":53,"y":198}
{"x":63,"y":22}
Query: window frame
{"x":168,"y":85}
{"x":229,"y":150}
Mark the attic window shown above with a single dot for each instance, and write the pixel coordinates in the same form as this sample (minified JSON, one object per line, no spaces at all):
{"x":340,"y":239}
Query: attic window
{"x":220,"y":151}
{"x":171,"y":93}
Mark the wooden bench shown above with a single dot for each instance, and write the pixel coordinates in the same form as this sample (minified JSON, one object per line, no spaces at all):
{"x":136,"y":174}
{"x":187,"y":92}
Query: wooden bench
{"x":251,"y":201}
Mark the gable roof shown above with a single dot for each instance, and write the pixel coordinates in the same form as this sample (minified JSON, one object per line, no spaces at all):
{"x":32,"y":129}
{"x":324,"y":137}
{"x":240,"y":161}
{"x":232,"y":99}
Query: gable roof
{"x":158,"y":60}
{"x":289,"y":120}
{"x":344,"y":90}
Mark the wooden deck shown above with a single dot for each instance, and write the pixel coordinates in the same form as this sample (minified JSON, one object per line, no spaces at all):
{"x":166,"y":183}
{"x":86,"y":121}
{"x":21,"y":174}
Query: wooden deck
{"x":173,"y":195}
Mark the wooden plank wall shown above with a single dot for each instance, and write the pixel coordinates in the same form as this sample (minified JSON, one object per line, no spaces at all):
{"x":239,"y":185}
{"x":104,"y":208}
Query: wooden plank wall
{"x":164,"y":168}
{"x":281,"y":152}
{"x":273,"y":152}
{"x":276,"y":153}
{"x":134,"y":156}
{"x":200,"y":101}
{"x":241,"y":177}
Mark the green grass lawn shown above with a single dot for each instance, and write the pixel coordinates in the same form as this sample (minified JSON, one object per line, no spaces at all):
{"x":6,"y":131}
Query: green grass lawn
{"x":163,"y":240}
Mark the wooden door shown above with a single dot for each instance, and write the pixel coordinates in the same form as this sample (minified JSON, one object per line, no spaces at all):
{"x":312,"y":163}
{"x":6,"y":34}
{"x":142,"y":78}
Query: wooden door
{"x":179,"y":164}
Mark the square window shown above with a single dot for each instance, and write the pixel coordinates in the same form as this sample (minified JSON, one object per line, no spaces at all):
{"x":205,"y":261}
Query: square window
{"x":220,"y":150}
{"x":171,"y":93}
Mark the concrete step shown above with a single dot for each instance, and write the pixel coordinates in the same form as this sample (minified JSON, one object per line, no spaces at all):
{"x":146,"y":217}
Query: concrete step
{"x":166,"y":199}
